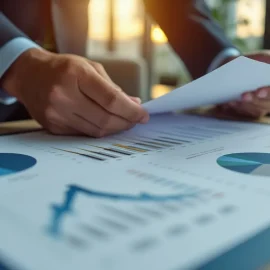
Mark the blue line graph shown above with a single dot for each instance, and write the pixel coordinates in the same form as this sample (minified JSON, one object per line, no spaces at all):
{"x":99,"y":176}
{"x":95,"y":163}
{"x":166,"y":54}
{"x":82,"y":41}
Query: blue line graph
{"x":59,"y":211}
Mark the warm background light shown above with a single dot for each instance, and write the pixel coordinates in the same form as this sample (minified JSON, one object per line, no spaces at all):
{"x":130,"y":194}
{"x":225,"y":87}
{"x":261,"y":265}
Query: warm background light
{"x":98,"y":12}
{"x":254,"y":11}
{"x":129,"y":23}
{"x":158,"y":35}
{"x":128,"y":19}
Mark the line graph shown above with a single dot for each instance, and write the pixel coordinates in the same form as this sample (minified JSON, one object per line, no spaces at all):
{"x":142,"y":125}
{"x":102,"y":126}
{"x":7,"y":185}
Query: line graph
{"x":59,"y":211}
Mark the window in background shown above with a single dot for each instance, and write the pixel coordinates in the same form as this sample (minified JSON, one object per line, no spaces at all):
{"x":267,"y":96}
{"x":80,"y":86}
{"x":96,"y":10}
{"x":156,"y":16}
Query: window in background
{"x":98,"y":27}
{"x":129,"y":27}
{"x":128,"y":24}
{"x":124,"y":19}
{"x":167,"y":66}
{"x":252,"y":12}
{"x":241,"y":20}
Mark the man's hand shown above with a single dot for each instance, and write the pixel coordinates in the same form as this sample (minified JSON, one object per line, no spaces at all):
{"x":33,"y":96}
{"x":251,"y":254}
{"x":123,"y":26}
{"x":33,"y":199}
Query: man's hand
{"x":71,"y":95}
{"x":256,"y":102}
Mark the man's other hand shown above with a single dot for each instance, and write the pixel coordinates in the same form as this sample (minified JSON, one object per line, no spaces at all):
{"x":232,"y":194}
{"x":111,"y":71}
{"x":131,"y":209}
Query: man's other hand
{"x":71,"y":95}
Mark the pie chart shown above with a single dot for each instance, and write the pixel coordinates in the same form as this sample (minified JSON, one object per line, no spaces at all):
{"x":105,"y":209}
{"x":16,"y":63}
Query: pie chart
{"x":248,"y":163}
{"x":11,"y":163}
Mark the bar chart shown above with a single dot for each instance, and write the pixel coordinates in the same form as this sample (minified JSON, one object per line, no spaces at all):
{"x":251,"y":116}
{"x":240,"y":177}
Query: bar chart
{"x":145,"y":139}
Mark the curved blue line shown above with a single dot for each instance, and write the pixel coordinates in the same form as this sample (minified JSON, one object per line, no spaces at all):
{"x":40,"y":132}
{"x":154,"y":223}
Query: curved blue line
{"x":60,"y":210}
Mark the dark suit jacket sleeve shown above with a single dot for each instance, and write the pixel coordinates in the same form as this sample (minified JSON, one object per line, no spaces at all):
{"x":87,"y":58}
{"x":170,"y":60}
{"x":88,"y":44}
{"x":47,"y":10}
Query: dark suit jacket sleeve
{"x":191,"y":31}
{"x":8,"y":31}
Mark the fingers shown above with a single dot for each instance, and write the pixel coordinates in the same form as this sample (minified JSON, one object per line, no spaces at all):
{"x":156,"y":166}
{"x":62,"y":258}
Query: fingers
{"x":82,"y":125}
{"x":110,"y":98}
{"x":60,"y":129}
{"x":253,"y":104}
{"x":98,"y":116}
{"x":102,"y":72}
{"x":245,"y":109}
{"x":259,"y":98}
{"x":136,"y":99}
{"x":78,"y":97}
{"x":57,"y":125}
{"x":76,"y":113}
{"x":78,"y":124}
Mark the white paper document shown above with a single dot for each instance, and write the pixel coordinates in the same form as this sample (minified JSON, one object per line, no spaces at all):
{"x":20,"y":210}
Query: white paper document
{"x":224,"y":84}
{"x":182,"y":192}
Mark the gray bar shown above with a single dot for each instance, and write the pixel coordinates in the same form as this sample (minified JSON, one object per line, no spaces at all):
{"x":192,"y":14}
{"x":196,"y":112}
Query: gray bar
{"x":177,"y":230}
{"x":94,"y":232}
{"x":76,"y":241}
{"x":144,"y":244}
{"x":151,"y":212}
{"x":114,"y":224}
{"x":125,"y":215}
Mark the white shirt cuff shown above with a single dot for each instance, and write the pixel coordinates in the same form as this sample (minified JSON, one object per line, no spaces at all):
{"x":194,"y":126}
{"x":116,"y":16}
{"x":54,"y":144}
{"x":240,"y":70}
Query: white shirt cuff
{"x":221,"y":57}
{"x":8,"y":55}
{"x":5,"y":98}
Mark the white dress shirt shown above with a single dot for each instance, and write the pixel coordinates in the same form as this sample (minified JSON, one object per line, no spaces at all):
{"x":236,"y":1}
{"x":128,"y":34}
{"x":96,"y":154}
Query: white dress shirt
{"x":8,"y":54}
{"x":229,"y":52}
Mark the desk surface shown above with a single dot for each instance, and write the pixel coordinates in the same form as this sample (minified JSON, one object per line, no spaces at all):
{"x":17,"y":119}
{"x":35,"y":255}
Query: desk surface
{"x":18,"y":127}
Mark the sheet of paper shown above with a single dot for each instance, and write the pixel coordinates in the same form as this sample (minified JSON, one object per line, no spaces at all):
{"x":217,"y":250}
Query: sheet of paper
{"x":225,"y":84}
{"x":135,"y":200}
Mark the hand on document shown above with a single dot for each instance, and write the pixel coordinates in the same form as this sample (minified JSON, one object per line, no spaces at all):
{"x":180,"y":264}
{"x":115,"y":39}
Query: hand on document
{"x":70,"y":95}
{"x":254,"y":103}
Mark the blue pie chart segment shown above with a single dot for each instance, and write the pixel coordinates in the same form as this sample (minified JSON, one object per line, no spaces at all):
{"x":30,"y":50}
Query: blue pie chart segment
{"x":248,"y":163}
{"x":11,"y":163}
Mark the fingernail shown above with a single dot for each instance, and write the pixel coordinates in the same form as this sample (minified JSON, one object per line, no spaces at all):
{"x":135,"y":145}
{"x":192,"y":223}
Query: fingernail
{"x":145,"y":119}
{"x":247,"y":97}
{"x":262,"y":93}
{"x":138,"y":100}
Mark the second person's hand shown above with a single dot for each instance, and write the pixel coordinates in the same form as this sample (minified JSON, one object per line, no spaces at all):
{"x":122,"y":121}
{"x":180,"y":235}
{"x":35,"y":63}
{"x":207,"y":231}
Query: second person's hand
{"x":254,"y":103}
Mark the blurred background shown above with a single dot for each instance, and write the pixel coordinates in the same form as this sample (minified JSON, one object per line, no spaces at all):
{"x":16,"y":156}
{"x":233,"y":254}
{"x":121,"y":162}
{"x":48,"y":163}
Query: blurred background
{"x":119,"y":30}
